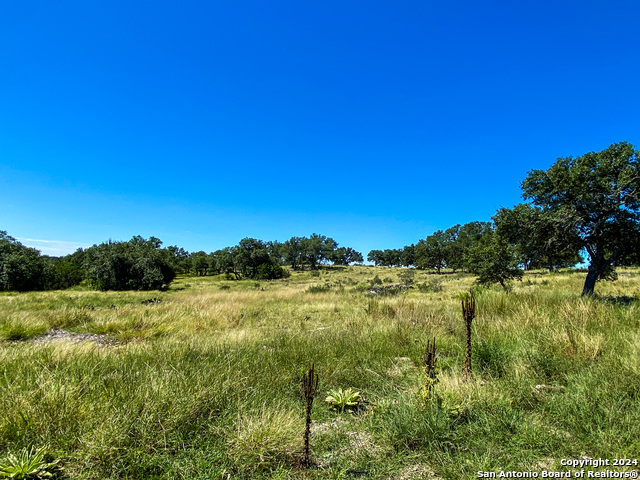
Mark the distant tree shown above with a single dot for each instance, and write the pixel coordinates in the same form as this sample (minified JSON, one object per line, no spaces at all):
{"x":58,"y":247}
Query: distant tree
{"x":494,"y":261}
{"x":61,"y":273}
{"x":345,"y":256}
{"x":408,"y":256}
{"x":200,"y":263}
{"x":224,"y":261}
{"x":181,"y":259}
{"x":540,"y":239}
{"x":21,"y":268}
{"x":249,"y":254}
{"x":252,"y":259}
{"x":469,"y":236}
{"x":454,"y":253}
{"x":275,"y":250}
{"x":138,"y":264}
{"x":317,"y":249}
{"x":392,"y":257}
{"x":597,"y":196}
{"x":292,"y":251}
{"x":375,"y":256}
{"x":432,"y":252}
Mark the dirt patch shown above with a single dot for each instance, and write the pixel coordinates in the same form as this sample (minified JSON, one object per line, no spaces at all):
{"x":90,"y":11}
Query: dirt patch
{"x":362,"y":441}
{"x":70,"y":337}
{"x":320,"y":428}
{"x":401,"y":366}
{"x":417,"y":471}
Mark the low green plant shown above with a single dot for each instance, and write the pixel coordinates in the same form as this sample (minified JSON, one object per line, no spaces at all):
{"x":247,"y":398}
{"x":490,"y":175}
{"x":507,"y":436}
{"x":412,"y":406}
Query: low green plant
{"x":434,"y":285}
{"x":407,"y":277}
{"x":318,"y":289}
{"x":343,"y":400}
{"x":29,"y":464}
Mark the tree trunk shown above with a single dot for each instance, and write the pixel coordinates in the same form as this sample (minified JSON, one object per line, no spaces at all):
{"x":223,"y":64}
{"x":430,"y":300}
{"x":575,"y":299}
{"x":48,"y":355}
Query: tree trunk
{"x":590,"y":281}
{"x":596,"y":267}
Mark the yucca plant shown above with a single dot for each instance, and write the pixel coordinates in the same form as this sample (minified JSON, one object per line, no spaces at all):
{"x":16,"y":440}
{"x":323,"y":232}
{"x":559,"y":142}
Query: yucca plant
{"x":343,"y":400}
{"x":29,"y":464}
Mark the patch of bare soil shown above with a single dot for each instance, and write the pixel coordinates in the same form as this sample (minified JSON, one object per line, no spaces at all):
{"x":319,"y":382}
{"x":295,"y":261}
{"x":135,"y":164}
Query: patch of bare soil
{"x":70,"y":337}
{"x":418,"y":471}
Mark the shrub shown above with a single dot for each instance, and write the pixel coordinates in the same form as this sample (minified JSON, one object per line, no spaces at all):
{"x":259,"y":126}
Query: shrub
{"x":318,"y":289}
{"x":434,"y":285}
{"x":407,"y":276}
{"x":267,"y":271}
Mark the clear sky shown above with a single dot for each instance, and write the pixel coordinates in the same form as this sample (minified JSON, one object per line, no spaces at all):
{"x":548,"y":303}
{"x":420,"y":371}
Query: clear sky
{"x":372,"y":122}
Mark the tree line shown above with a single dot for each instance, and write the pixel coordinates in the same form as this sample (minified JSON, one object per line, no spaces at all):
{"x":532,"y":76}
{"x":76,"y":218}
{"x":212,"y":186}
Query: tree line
{"x":584,"y":206}
{"x":588,"y":205}
{"x":142,"y":264}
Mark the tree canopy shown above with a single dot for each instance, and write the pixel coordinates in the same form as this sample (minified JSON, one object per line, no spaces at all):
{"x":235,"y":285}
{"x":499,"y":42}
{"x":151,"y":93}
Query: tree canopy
{"x":138,"y":264}
{"x":596,"y":197}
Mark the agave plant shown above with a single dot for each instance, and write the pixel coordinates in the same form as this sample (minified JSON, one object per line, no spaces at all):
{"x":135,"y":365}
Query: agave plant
{"x":343,"y":399}
{"x":28,"y":464}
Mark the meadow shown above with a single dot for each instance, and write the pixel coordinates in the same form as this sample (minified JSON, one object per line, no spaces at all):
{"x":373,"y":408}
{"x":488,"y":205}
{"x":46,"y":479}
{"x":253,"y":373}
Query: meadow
{"x":202,"y":381}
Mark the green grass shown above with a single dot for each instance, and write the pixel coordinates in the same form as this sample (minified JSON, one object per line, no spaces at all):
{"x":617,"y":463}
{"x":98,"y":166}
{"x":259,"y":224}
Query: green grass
{"x":206,"y":383}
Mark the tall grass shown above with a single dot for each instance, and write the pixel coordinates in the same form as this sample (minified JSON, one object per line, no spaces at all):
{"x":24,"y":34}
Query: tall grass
{"x":206,"y":383}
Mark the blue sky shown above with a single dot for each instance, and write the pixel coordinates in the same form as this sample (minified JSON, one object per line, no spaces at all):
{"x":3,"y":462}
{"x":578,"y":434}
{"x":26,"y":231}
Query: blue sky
{"x":374,"y":122}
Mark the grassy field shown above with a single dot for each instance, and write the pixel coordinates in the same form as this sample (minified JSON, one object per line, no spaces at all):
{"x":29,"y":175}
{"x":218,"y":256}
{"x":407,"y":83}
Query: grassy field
{"x":204,"y":382}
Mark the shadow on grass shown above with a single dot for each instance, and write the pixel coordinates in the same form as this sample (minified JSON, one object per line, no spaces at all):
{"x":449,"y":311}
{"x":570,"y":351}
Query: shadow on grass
{"x":622,"y":300}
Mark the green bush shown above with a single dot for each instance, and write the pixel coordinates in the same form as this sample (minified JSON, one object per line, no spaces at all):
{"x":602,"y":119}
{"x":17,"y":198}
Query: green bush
{"x":138,"y":264}
{"x":434,"y":285}
{"x":271,"y":272}
{"x":318,"y":289}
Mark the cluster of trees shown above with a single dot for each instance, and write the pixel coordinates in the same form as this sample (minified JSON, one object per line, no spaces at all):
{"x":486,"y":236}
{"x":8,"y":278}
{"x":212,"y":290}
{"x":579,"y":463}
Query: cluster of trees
{"x":443,"y":249}
{"x":141,"y":264}
{"x":264,"y":260}
{"x":475,"y":247}
{"x":21,"y":268}
{"x":138,"y":264}
{"x":588,"y":204}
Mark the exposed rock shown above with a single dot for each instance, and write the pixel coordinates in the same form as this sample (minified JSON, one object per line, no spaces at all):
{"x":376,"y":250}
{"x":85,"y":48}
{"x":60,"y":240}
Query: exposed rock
{"x":64,"y":336}
{"x":151,"y":301}
{"x":386,"y":288}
